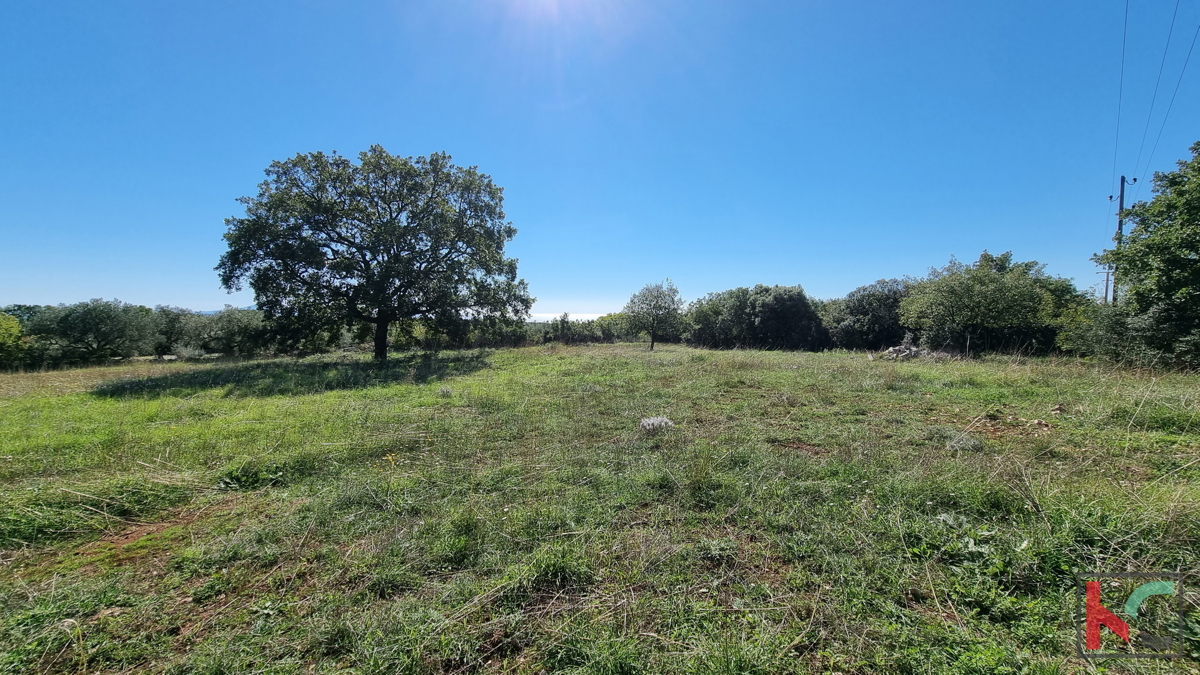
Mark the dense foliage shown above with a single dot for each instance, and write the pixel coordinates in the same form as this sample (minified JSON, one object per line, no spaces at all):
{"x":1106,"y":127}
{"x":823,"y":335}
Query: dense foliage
{"x":99,"y":331}
{"x":995,"y":304}
{"x":1158,"y":272}
{"x":869,"y":317}
{"x":763,"y":317}
{"x":387,"y":240}
{"x":409,"y":252}
{"x":92,"y":331}
{"x":656,"y":310}
{"x":12,"y":344}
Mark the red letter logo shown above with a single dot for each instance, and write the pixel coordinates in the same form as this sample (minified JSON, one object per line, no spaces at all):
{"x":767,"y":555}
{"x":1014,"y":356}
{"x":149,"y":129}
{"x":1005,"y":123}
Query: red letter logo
{"x":1099,"y":615}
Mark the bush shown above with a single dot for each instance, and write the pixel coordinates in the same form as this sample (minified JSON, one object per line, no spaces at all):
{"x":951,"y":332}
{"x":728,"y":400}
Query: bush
{"x":173,"y":323}
{"x":869,"y":317}
{"x":12,"y":343}
{"x":763,"y":317}
{"x":995,"y":304}
{"x":1151,"y":339}
{"x":232,"y":331}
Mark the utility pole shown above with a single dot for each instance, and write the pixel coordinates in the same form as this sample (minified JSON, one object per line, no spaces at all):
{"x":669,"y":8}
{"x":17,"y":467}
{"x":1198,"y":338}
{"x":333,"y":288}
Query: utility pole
{"x":1120,"y":229}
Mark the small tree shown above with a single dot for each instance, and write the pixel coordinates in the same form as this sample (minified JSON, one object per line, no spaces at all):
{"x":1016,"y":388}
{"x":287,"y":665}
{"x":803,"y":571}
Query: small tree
{"x":11,"y":343}
{"x":655,"y":310}
{"x":172,"y":328}
{"x":869,"y":317}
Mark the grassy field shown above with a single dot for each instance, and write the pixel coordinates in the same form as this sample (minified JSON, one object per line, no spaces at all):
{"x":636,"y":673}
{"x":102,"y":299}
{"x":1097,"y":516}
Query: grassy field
{"x":502,"y":512}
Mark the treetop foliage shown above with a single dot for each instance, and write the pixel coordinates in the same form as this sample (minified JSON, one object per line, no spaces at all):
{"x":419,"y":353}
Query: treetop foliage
{"x":388,"y":239}
{"x":763,"y":317}
{"x":869,"y":316}
{"x":95,"y":330}
{"x":11,"y":341}
{"x":412,"y":250}
{"x":993,"y":304}
{"x":1157,"y":268}
{"x":655,"y":310}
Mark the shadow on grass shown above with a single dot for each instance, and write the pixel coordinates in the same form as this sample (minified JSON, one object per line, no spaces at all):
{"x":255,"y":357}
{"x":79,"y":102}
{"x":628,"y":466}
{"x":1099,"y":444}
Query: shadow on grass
{"x":293,"y":377}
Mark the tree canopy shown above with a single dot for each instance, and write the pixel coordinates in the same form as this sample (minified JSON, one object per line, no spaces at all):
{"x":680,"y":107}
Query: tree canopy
{"x":654,"y":310}
{"x":1158,"y":265}
{"x":994,"y":304}
{"x":92,"y":331}
{"x":869,"y":317}
{"x":763,"y":317}
{"x":11,"y":343}
{"x":387,"y":240}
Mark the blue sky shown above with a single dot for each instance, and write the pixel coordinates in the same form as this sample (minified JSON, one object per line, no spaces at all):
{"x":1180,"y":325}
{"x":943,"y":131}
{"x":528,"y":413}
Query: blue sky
{"x":821,"y":143}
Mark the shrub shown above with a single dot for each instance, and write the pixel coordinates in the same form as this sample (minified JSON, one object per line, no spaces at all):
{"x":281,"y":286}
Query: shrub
{"x":869,"y":317}
{"x":1119,"y":334}
{"x":172,"y":328}
{"x":763,"y":317}
{"x":12,"y":343}
{"x":995,"y":304}
{"x":230,"y":331}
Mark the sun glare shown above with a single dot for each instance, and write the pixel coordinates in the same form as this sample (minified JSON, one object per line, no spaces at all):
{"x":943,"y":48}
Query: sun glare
{"x":607,"y":19}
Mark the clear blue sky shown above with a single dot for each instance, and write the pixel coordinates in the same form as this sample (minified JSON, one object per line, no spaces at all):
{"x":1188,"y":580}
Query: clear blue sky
{"x":823,"y":143}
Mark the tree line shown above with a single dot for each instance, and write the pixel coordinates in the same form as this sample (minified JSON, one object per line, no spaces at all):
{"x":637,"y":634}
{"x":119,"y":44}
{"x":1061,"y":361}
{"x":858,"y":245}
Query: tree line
{"x":995,"y":304}
{"x":401,"y":253}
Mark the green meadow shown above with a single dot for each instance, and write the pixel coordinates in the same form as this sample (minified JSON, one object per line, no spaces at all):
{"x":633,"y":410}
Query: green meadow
{"x":504,"y":512}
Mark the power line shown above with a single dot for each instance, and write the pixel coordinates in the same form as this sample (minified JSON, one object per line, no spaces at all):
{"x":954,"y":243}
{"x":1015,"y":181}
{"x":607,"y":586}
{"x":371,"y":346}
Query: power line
{"x":1172,"y":103}
{"x":1120,"y":92}
{"x":1157,"y":80}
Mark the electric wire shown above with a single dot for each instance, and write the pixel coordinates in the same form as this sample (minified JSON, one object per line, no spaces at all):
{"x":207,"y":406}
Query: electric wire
{"x":1157,"y":81}
{"x":1170,"y":105}
{"x":1120,"y":93}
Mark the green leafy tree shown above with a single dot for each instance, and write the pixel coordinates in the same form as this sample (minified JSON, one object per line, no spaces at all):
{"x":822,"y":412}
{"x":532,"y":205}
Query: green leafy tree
{"x":722,"y":320}
{"x":994,"y":304}
{"x":172,"y":328}
{"x":612,"y":327}
{"x":784,"y":319}
{"x":12,"y":343}
{"x":92,"y":331}
{"x":23,"y":313}
{"x":869,"y":316}
{"x":389,"y":239}
{"x":1158,"y":267}
{"x":655,"y":310}
{"x":238,"y":332}
{"x":763,"y":317}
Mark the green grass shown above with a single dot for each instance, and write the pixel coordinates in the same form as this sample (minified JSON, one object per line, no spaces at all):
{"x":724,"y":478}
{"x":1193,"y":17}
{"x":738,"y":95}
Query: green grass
{"x":503,"y":512}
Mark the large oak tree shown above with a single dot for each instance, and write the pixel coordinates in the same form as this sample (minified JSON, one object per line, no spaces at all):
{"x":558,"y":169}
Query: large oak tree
{"x":389,"y":239}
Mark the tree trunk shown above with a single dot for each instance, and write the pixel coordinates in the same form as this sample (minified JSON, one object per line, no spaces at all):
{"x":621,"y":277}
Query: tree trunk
{"x":651,"y":340}
{"x":381,"y":331}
